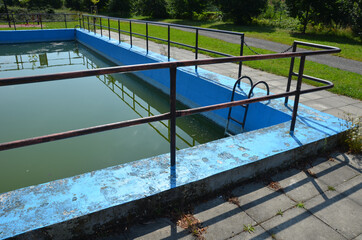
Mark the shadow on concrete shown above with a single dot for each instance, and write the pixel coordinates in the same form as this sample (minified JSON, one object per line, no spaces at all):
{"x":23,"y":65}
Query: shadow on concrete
{"x":163,"y":228}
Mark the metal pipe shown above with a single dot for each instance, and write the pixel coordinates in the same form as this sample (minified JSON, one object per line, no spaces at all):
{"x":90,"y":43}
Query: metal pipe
{"x":196,"y":46}
{"x":119,"y":32}
{"x":140,"y":67}
{"x":81,"y":132}
{"x":297,"y":95}
{"x":88,"y":24}
{"x":41,"y":23}
{"x":12,"y":15}
{"x":147,"y":37}
{"x":241,"y":54}
{"x":65,"y":21}
{"x":100,"y":25}
{"x":168,"y":42}
{"x":109,"y":30}
{"x":173,"y":69}
{"x":290,"y":75}
{"x":94,"y":25}
{"x":130,"y":31}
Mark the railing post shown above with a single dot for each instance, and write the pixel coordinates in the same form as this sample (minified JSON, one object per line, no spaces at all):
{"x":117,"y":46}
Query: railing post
{"x":119,"y":32}
{"x":12,"y":15}
{"x":290,"y":76}
{"x":109,"y":30}
{"x":88,"y":23}
{"x":83,"y":22}
{"x":100,"y":25}
{"x":130,"y":32}
{"x":241,"y":54}
{"x":41,"y":22}
{"x":297,"y":95}
{"x":65,"y":21}
{"x":94,"y":24}
{"x":147,"y":37}
{"x":80,"y":21}
{"x":173,"y":69}
{"x":168,"y":42}
{"x":197,"y":45}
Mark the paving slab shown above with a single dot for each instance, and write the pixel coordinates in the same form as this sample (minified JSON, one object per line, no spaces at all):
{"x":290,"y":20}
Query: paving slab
{"x":222,"y":219}
{"x":333,"y":173}
{"x":299,"y":224}
{"x":358,"y":238}
{"x":350,"y":189}
{"x":260,"y":202}
{"x":258,"y":234}
{"x":298,"y":185}
{"x":160,"y":228}
{"x":339,"y":212}
{"x":353,"y":160}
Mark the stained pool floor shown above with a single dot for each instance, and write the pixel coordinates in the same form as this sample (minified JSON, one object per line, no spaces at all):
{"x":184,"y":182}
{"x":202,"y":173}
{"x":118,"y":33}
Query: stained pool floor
{"x":43,"y":108}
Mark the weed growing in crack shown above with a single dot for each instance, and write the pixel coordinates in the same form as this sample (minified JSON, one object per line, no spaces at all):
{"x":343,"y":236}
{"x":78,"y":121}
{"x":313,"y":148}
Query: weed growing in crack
{"x":300,"y":205}
{"x":280,"y":212}
{"x":249,"y":228}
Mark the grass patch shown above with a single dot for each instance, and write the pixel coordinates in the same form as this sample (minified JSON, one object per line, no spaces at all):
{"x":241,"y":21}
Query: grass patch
{"x":346,"y":83}
{"x":351,"y":47}
{"x":249,"y":228}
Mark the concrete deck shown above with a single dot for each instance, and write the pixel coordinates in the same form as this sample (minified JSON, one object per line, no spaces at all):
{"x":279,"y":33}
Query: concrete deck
{"x":329,"y":188}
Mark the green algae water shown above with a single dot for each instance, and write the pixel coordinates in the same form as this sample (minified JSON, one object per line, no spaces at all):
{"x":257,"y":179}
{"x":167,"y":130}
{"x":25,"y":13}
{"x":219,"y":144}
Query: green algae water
{"x":37,"y":109}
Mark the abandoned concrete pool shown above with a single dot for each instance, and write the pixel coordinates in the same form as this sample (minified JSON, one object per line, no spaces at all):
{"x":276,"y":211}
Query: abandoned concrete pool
{"x":272,"y":137}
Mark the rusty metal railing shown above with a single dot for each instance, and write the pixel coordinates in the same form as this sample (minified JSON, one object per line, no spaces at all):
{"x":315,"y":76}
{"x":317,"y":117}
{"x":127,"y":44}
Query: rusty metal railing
{"x":173,"y":114}
{"x":12,"y":19}
{"x":92,"y":22}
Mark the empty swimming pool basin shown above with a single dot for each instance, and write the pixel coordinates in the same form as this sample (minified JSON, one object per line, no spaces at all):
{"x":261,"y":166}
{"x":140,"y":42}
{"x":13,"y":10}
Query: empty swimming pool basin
{"x":101,"y":196}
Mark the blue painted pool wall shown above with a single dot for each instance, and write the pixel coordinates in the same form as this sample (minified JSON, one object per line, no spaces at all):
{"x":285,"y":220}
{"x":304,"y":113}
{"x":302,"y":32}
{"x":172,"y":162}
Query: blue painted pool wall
{"x":26,"y":36}
{"x":193,"y":87}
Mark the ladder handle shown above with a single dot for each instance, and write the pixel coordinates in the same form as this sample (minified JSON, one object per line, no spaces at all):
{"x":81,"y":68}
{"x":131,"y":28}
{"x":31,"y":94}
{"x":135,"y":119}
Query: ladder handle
{"x":260,"y":82}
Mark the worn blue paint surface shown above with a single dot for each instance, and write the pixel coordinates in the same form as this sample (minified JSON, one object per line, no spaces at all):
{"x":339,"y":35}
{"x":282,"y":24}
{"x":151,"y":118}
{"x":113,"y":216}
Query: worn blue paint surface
{"x":58,"y":201}
{"x":25,"y":36}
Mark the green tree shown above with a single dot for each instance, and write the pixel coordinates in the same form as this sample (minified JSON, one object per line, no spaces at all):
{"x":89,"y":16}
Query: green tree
{"x":350,"y":14}
{"x":121,"y":8}
{"x":151,"y":8}
{"x":186,"y":8}
{"x":315,"y":12}
{"x":241,"y":11}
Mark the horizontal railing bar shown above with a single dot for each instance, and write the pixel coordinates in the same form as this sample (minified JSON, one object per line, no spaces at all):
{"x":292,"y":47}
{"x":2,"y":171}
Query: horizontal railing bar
{"x":117,"y":125}
{"x":81,"y":132}
{"x":314,"y":45}
{"x":187,"y":112}
{"x":150,"y":66}
{"x":166,"y":24}
{"x":313,"y":78}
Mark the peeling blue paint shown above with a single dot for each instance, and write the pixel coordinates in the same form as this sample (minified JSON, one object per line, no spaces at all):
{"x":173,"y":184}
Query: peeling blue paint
{"x":58,"y":201}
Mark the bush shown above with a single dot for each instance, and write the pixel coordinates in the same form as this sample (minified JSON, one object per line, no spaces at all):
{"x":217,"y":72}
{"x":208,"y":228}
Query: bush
{"x":186,"y":8}
{"x":121,"y":8}
{"x":151,"y":8}
{"x":241,"y":11}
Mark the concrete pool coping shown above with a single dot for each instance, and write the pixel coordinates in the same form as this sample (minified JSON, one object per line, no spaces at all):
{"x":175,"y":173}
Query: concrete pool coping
{"x":74,"y":206}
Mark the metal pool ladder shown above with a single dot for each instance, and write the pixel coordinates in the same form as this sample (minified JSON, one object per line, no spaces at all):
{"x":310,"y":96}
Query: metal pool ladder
{"x":246,"y":106}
